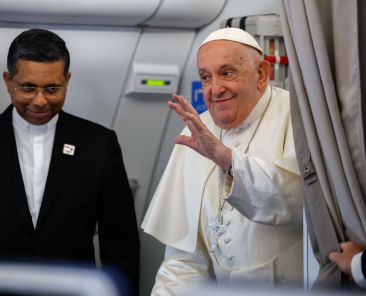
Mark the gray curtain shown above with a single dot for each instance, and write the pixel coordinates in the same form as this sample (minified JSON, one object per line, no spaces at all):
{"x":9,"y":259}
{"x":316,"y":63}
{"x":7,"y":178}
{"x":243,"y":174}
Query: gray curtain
{"x":322,"y":42}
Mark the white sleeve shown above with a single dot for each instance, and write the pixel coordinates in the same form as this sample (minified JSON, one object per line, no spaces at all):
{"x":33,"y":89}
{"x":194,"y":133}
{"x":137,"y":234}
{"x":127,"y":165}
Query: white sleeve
{"x":262,"y":191}
{"x":356,"y":269}
{"x":180,"y":271}
{"x":266,"y":184}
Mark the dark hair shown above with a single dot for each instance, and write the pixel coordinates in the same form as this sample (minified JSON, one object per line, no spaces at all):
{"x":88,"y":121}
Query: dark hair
{"x":38,"y":45}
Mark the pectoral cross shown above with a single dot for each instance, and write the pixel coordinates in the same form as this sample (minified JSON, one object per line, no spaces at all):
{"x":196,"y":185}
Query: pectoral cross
{"x":216,"y":229}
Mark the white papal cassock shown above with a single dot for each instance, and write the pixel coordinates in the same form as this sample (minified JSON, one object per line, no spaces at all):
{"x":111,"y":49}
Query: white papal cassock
{"x":262,"y":209}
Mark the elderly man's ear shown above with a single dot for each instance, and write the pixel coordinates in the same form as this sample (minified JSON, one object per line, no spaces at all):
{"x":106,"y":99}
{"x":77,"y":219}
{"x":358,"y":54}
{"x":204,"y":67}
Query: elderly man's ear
{"x":264,"y":71}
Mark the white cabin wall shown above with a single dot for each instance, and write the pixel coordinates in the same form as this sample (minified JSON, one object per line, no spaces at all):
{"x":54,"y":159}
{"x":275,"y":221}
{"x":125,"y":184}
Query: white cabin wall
{"x":141,"y":117}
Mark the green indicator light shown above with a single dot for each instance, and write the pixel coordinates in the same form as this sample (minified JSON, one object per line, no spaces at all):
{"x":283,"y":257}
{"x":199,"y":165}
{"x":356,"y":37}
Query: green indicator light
{"x":155,"y":82}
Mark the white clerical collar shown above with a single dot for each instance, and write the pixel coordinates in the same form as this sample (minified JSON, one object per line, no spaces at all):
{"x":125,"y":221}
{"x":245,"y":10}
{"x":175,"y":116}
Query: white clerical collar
{"x":257,"y":110}
{"x":21,"y":123}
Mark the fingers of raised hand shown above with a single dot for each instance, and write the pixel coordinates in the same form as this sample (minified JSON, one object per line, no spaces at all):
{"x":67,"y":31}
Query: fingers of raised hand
{"x":185,"y":110}
{"x":176,"y":108}
{"x":185,"y":105}
{"x":177,"y":105}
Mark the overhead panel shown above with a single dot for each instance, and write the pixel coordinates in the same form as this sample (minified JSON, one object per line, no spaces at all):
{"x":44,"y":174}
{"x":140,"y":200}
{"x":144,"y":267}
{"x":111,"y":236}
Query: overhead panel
{"x":158,"y":13}
{"x":186,"y":14}
{"x":71,"y":12}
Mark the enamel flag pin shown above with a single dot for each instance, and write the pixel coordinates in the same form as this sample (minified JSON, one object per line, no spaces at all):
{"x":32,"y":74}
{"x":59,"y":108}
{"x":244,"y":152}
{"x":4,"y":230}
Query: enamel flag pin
{"x":68,"y":149}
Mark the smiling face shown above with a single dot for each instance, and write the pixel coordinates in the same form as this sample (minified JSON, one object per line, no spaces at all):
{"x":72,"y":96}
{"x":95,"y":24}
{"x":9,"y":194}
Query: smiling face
{"x":233,"y":79}
{"x":40,"y":109}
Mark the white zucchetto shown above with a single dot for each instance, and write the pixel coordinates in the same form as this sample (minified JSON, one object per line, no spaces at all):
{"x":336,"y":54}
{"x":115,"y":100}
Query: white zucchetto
{"x":233,"y":34}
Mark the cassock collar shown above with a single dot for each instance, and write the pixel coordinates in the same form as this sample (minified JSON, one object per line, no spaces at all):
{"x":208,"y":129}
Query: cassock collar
{"x":21,"y":123}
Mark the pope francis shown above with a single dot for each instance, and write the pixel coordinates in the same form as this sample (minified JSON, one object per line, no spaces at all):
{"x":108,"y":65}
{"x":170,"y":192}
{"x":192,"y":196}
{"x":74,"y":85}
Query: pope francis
{"x":229,"y":205}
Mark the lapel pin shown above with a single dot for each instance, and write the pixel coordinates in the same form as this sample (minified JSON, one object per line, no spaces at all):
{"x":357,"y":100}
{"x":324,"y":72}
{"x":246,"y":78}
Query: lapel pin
{"x":68,"y":149}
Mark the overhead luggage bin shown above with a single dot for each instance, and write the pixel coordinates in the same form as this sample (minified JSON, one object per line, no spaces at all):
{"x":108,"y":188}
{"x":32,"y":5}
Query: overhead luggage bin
{"x":160,"y":13}
{"x":186,"y":14}
{"x":71,"y":12}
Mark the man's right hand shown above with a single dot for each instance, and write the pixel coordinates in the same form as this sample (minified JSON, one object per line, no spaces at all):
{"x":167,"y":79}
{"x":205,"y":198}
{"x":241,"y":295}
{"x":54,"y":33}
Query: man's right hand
{"x":344,"y":259}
